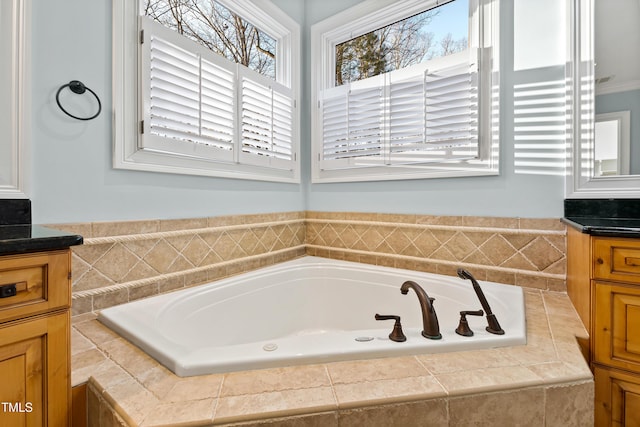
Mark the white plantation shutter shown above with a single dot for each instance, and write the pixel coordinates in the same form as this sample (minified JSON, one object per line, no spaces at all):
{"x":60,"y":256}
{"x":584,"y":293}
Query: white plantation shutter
{"x":452,"y":109}
{"x":353,"y":124}
{"x":434,"y":117}
{"x":421,"y":114}
{"x":189,"y":97}
{"x":201,"y":105}
{"x":267,"y":110}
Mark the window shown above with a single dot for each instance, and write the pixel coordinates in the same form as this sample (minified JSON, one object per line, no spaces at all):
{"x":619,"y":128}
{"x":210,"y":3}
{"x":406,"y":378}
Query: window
{"x":406,"y":90}
{"x":215,"y":89}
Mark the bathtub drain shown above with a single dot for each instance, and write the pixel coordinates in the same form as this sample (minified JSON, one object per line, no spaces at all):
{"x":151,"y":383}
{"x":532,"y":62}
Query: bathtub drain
{"x":270,"y":347}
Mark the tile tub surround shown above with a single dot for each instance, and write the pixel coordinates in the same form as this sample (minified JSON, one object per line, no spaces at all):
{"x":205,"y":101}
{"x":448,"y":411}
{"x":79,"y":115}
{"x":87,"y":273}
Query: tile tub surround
{"x":125,"y":261}
{"x":545,"y":383}
{"x":518,"y":251}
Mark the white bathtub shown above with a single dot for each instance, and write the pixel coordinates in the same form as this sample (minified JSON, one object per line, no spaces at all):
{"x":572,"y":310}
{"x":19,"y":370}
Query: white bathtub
{"x":309,"y":310}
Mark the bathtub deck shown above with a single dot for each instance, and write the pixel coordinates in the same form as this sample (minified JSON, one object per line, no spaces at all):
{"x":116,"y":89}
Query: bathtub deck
{"x":548,"y":379}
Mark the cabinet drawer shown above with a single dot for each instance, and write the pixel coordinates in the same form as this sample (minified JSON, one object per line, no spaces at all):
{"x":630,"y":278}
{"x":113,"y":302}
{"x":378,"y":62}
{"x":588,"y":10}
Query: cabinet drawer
{"x":617,"y":326}
{"x":616,"y":259}
{"x":34,"y":283}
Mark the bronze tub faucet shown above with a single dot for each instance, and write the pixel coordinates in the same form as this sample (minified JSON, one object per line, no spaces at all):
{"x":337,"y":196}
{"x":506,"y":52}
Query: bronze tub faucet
{"x":430,"y":326}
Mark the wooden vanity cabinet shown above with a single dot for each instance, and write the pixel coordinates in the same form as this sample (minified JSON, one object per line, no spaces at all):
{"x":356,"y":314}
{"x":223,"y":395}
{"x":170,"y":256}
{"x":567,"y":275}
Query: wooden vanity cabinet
{"x":35,"y":385}
{"x":608,"y":300}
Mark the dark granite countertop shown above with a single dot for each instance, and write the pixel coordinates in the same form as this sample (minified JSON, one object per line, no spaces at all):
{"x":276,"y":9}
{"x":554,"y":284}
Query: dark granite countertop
{"x":18,"y":235}
{"x":606,"y":227}
{"x":604,"y":217}
{"x":22,"y":238}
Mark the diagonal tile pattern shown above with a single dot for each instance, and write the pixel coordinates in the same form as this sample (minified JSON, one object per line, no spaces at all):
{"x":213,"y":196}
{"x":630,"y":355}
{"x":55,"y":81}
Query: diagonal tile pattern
{"x":123,"y":261}
{"x":494,"y":247}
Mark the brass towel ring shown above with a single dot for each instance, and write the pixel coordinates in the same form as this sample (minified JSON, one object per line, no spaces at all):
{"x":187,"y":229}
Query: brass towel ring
{"x":78,"y":87}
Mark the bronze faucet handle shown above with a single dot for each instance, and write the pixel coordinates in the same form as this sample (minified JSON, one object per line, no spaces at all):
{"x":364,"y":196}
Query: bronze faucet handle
{"x":463,"y":327}
{"x":396,"y":335}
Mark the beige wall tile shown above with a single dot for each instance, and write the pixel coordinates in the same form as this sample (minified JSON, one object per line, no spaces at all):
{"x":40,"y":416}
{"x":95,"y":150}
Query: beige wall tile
{"x":81,"y":305}
{"x":83,"y":229}
{"x":161,"y":256}
{"x":96,"y":332}
{"x":329,"y":419}
{"x":570,"y":406}
{"x":121,"y":228}
{"x":512,"y":408}
{"x":141,"y":270}
{"x":135,"y":400}
{"x":530,"y":281}
{"x":108,"y":374}
{"x":542,"y":224}
{"x":130,"y":357}
{"x":84,"y":364}
{"x":90,"y":253}
{"x":92,"y":279}
{"x":488,"y":380}
{"x":199,"y":412}
{"x":494,"y":222}
{"x":166,"y":284}
{"x":79,"y":343}
{"x":554,"y":371}
{"x":466,"y":361}
{"x":359,"y":371}
{"x":407,"y":219}
{"x":271,"y":380}
{"x":159,"y":381}
{"x":274,"y":404}
{"x":182,"y":224}
{"x":439,"y":220}
{"x":195,"y":388}
{"x":541,"y":253}
{"x":432,"y":413}
{"x":383,"y":392}
{"x":117,"y":297}
{"x":78,"y":265}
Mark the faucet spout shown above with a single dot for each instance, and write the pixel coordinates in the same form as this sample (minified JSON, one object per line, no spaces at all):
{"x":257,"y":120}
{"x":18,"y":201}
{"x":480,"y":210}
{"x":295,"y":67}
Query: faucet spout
{"x":430,"y":326}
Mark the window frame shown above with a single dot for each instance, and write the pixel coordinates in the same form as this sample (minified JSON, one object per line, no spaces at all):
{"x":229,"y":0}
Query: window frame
{"x":371,"y":15}
{"x":128,"y":114}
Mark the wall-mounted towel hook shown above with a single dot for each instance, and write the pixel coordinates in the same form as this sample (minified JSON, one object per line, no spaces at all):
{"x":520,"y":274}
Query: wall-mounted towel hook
{"x":78,"y":87}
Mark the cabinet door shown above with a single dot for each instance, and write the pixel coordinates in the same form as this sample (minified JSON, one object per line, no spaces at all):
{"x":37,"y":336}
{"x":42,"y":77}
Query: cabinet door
{"x":617,"y":325}
{"x":617,"y":398}
{"x":34,"y":367}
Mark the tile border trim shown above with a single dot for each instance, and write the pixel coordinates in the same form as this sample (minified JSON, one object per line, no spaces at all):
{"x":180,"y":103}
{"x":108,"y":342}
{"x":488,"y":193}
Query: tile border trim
{"x":461,"y":228}
{"x":186,"y":232}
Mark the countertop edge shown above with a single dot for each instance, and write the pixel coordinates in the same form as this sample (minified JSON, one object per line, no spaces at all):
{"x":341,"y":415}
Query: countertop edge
{"x":601,"y":230}
{"x":35,"y":238}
